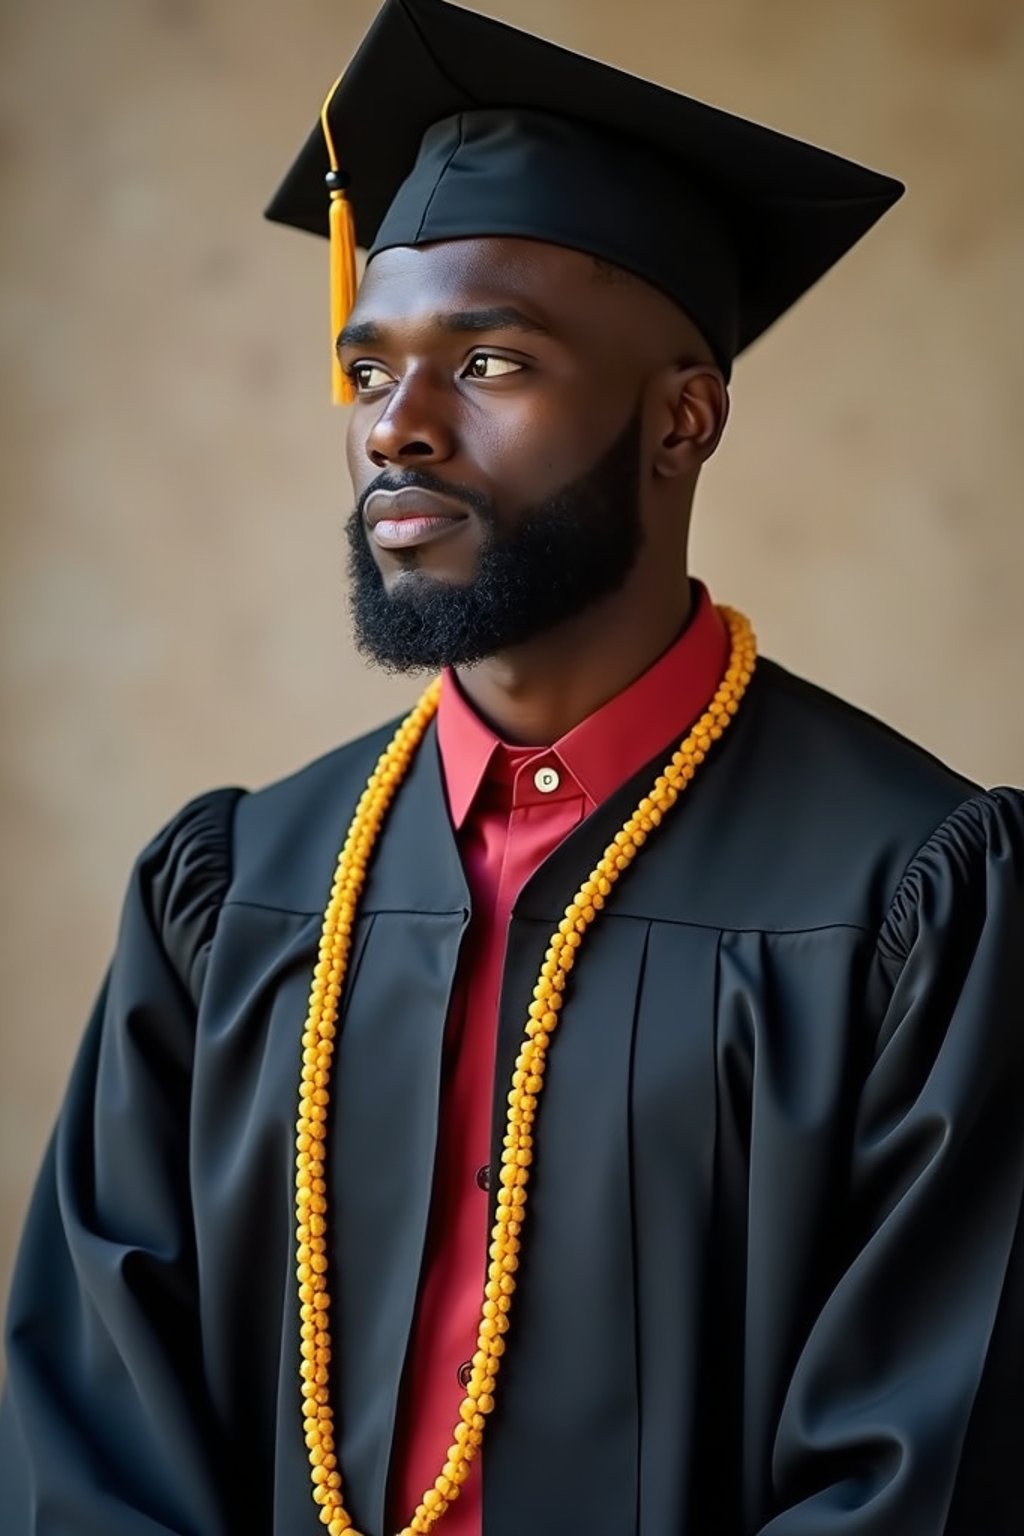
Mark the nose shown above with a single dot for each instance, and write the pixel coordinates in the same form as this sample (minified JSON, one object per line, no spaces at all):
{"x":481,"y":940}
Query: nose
{"x":410,"y":429}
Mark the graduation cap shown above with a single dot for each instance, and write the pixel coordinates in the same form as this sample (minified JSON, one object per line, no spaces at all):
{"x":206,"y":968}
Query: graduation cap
{"x":448,"y":125}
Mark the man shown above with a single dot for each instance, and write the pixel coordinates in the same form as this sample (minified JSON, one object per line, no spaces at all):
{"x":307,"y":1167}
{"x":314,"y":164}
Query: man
{"x":697,"y":990}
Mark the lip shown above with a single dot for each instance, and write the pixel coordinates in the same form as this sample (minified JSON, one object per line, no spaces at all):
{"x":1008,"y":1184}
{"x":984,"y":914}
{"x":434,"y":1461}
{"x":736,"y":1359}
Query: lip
{"x":407,"y":518}
{"x":394,"y":506}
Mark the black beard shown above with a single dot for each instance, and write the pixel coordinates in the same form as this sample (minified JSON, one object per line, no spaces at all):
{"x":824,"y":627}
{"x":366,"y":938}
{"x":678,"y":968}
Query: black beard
{"x":559,"y":558}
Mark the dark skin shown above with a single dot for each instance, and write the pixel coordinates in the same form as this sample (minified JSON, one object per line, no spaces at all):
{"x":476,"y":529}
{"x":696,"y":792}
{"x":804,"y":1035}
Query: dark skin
{"x":508,"y":366}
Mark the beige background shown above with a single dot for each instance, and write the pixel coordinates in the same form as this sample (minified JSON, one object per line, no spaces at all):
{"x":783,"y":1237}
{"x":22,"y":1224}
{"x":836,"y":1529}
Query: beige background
{"x":172,"y":481}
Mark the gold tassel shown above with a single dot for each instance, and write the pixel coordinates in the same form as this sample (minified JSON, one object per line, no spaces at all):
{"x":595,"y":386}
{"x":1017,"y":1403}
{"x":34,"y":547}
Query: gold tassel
{"x":343,"y":256}
{"x":343,"y":287}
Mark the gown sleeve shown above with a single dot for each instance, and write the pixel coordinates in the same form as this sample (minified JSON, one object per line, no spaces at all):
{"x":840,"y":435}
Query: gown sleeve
{"x":105,"y":1428}
{"x":905,"y":1411}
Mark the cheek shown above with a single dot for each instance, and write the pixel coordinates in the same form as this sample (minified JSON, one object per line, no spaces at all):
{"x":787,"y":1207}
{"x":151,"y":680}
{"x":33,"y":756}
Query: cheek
{"x":360,"y":468}
{"x":529,"y":449}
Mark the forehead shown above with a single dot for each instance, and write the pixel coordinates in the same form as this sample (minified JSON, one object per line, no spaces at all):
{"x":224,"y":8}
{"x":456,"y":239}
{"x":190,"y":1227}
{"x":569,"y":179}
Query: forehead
{"x":551,"y":283}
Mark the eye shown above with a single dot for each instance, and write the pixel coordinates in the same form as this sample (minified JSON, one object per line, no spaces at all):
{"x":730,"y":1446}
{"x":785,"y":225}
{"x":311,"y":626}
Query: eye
{"x":369,"y":376}
{"x":485,"y":365}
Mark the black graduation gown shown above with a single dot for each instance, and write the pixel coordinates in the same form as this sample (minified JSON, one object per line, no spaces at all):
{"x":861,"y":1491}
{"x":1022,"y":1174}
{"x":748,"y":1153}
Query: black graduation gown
{"x":773,"y":1277}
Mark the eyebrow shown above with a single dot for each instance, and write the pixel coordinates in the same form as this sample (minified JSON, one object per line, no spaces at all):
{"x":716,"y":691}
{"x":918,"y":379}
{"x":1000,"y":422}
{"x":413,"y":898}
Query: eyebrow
{"x":460,"y":322}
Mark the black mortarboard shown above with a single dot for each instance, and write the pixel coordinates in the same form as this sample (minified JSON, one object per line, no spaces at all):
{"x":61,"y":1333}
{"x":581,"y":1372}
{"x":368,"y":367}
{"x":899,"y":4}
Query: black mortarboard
{"x":447,"y":124}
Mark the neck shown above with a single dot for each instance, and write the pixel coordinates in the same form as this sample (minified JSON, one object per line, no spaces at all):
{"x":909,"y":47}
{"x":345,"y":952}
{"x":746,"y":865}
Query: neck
{"x":535,"y":693}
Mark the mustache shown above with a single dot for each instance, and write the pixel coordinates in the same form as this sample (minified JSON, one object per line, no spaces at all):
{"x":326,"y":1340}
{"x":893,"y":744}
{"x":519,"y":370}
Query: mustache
{"x":423,"y":480}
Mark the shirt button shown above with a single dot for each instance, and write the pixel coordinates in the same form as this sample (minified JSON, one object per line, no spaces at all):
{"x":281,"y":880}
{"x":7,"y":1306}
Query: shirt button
{"x":465,"y":1372}
{"x":546,"y":780}
{"x":483,"y":1178}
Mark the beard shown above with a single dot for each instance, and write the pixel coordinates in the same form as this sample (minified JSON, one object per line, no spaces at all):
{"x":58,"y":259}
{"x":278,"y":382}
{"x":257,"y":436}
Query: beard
{"x":558,"y":558}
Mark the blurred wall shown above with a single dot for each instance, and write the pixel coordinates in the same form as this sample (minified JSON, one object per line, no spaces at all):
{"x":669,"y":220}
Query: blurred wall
{"x":172,"y":475}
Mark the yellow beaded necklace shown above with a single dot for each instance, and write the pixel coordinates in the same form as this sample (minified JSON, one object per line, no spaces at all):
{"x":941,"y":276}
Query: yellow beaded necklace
{"x":527,"y":1081}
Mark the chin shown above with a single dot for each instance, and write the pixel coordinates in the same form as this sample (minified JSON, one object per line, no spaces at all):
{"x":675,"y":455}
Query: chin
{"x":410,"y":573}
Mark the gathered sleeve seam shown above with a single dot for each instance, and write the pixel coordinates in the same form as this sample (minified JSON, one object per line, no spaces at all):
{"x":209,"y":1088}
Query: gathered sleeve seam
{"x":959,"y":835}
{"x":200,"y":867}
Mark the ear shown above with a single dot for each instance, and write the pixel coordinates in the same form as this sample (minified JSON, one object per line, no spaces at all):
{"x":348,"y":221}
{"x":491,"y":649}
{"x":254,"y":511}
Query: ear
{"x":693,"y":411}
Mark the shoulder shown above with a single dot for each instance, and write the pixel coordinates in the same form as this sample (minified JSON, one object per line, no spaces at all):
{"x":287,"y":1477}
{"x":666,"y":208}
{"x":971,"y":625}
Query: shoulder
{"x":857,"y":758}
{"x":967,"y":878}
{"x":826,"y":803}
{"x":181,"y":878}
{"x":288,"y":833}
{"x":274,"y":846}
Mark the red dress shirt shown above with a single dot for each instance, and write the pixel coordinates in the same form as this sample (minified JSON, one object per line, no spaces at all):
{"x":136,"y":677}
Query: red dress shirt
{"x":511,"y":807}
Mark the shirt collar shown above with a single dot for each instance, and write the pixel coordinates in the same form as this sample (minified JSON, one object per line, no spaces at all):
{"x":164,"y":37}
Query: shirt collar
{"x":613,"y":742}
